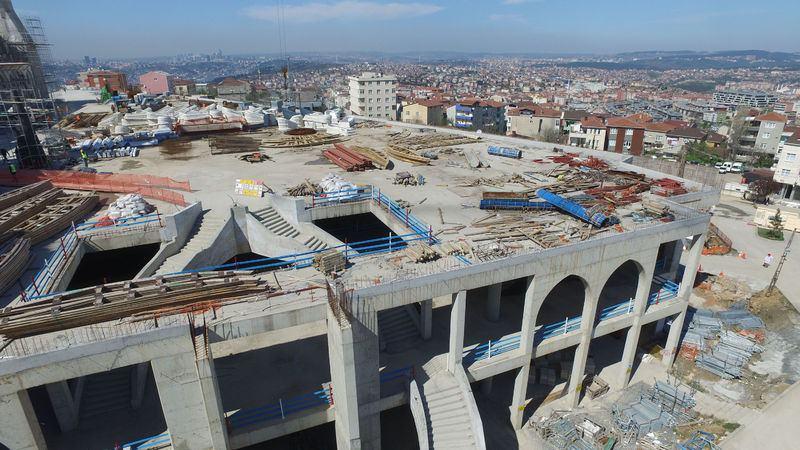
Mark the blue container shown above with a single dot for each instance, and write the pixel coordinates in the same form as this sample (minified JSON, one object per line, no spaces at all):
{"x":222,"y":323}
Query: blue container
{"x":505,"y":151}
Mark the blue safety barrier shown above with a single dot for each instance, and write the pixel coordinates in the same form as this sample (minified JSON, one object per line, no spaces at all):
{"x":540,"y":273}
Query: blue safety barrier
{"x":280,"y":410}
{"x":51,"y":267}
{"x":491,"y":349}
{"x":159,"y":440}
{"x":343,"y":196}
{"x":513,"y":203}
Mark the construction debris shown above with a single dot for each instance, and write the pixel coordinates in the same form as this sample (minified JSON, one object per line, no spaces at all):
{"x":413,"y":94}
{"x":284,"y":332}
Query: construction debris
{"x":662,"y":406}
{"x":420,"y":252}
{"x":596,"y":387}
{"x":406,"y":179}
{"x":289,"y":141}
{"x":304,"y":189}
{"x":329,"y":261}
{"x":129,"y":205}
{"x":717,"y":243}
{"x":255,"y":157}
{"x":222,"y":144}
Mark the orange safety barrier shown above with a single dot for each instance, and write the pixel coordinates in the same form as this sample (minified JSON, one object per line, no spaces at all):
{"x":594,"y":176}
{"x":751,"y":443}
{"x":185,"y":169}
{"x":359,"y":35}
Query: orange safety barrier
{"x":146,"y":185}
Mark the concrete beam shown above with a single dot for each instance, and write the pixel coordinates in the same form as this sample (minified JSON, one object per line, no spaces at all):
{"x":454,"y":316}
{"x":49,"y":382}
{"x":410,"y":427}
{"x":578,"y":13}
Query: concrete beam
{"x":19,"y":426}
{"x":457,"y":315}
{"x":519,"y":397}
{"x":493,"y":302}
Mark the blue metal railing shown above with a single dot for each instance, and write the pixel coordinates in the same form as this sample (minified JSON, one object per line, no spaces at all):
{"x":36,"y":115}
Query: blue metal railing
{"x":281,"y":409}
{"x":159,"y":440}
{"x":396,"y":374}
{"x":49,"y":271}
{"x":491,"y":349}
{"x":118,"y":223}
{"x":404,"y":215}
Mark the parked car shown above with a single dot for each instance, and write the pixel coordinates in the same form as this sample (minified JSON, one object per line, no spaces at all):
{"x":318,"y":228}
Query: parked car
{"x":737,"y":167}
{"x":725,"y":167}
{"x":718,"y":164}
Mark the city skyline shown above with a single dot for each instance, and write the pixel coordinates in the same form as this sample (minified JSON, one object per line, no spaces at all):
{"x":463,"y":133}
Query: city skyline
{"x":497,"y":26}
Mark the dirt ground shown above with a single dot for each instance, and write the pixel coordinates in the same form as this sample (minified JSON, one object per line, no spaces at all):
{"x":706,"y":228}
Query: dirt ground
{"x":719,"y":292}
{"x":708,"y":424}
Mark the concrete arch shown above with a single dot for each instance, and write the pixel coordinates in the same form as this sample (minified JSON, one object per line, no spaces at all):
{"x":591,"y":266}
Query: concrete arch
{"x":621,"y":285}
{"x":571,"y":292}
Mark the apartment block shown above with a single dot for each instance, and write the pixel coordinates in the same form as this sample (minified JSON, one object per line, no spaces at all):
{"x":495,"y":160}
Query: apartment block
{"x":99,"y":79}
{"x":374,"y":95}
{"x":624,"y":136}
{"x":590,"y":133}
{"x":537,"y":122}
{"x":425,"y":112}
{"x":762,"y":133}
{"x":740,"y":97}
{"x":475,"y":114}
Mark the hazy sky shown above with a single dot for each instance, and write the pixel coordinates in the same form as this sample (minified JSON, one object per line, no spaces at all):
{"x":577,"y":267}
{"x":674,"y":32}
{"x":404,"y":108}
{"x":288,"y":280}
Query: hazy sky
{"x":128,"y":28}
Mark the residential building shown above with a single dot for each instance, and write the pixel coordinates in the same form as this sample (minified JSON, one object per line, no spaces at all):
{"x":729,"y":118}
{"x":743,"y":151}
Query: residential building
{"x":762,"y":133}
{"x":233,"y":88}
{"x":624,"y":136}
{"x":156,"y":82}
{"x":589,"y":132}
{"x":655,"y":135}
{"x":534,"y":122}
{"x":99,"y":79}
{"x":787,"y":171}
{"x":484,"y":115}
{"x":425,"y":112}
{"x":743,"y":97}
{"x":678,"y":137}
{"x":374,"y":95}
{"x":184,"y":87}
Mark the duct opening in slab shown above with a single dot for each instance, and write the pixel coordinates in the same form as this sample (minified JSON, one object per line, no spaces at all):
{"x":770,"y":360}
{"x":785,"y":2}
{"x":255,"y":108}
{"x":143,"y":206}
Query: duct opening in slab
{"x":108,"y":266}
{"x":360,"y":228}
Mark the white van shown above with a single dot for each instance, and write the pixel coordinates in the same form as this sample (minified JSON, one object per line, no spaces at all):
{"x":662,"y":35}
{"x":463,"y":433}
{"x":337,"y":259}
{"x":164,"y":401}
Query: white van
{"x":726,"y":167}
{"x":737,"y":167}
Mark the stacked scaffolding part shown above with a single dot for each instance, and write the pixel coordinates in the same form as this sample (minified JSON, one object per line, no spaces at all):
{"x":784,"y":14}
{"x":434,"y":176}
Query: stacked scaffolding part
{"x":591,"y":216}
{"x":505,"y":151}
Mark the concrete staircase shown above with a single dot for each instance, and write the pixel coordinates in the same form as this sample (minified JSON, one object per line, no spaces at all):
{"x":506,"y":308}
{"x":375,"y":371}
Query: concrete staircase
{"x":275,"y":223}
{"x":397,"y":332}
{"x":105,"y":392}
{"x":204,"y":231}
{"x":447,"y":406}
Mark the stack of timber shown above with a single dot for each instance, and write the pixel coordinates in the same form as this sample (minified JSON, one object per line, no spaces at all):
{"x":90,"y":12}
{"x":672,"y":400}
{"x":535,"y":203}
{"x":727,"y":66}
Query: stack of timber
{"x":654,"y":208}
{"x":157,"y":296}
{"x":233,"y":143}
{"x":14,"y":258}
{"x":310,"y":140}
{"x":431,"y":140}
{"x":329,"y":261}
{"x":347,"y":159}
{"x":406,"y":155}
{"x":378,"y":159}
{"x":11,"y":198}
{"x":460,"y":248}
{"x":304,"y":189}
{"x":57,"y":216}
{"x":21,"y":212}
{"x":420,"y":252}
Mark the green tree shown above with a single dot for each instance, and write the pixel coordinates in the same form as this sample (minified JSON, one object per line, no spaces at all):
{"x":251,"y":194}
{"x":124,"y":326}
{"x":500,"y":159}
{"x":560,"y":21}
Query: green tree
{"x":776,"y":225}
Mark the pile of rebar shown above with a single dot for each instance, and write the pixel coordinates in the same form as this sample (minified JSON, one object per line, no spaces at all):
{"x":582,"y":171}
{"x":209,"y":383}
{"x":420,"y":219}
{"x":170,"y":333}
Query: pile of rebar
{"x":158,"y":295}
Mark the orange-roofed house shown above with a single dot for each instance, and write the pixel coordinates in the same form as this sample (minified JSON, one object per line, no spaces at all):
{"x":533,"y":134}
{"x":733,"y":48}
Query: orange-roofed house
{"x":624,"y":136}
{"x":534,"y":122}
{"x":655,"y":135}
{"x":425,"y":112}
{"x":589,"y":132}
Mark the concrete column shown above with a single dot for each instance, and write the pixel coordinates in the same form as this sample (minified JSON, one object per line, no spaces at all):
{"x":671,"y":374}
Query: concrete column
{"x":426,"y":319}
{"x":528,"y":330}
{"x":486,"y":386}
{"x":190,"y":401}
{"x":66,"y":404}
{"x":457,"y":316}
{"x":632,"y":339}
{"x":493,"y":302}
{"x":519,"y":397}
{"x":139,"y":384}
{"x":687,"y":284}
{"x":674,"y":260}
{"x":19,"y":426}
{"x":353,"y":356}
{"x":582,"y":350}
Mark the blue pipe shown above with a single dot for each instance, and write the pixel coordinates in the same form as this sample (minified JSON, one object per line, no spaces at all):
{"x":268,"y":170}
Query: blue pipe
{"x":597,"y":219}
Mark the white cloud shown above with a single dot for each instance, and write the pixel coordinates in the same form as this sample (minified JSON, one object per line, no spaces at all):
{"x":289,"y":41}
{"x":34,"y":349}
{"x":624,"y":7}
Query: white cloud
{"x":348,"y":9}
{"x":507,"y":18}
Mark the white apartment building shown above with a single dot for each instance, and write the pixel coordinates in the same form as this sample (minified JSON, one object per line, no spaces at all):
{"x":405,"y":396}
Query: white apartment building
{"x":787,"y":171}
{"x":374,"y":95}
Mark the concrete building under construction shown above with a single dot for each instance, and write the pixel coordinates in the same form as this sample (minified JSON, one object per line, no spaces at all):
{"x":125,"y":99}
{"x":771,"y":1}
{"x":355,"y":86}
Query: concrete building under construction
{"x":381,"y":310}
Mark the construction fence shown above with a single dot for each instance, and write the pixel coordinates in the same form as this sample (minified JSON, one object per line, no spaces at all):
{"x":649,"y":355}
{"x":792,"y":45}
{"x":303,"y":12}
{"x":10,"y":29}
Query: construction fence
{"x":702,"y":174}
{"x":159,"y":188}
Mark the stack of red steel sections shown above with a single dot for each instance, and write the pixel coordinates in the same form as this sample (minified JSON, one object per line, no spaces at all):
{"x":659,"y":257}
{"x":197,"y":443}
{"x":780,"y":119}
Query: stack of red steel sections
{"x":667,"y":187}
{"x":347,"y":159}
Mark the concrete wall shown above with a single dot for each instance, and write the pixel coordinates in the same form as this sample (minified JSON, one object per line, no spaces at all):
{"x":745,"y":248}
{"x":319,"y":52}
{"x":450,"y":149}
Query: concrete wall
{"x":177,"y":229}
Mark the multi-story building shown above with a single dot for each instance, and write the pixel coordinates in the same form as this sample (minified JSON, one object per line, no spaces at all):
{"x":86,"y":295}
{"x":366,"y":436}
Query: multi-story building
{"x":233,"y":88}
{"x":536,"y":122}
{"x":99,"y":79}
{"x":374,"y":95}
{"x":762,"y":133}
{"x":184,"y":87}
{"x":425,"y":112}
{"x":590,"y":132}
{"x":624,"y":136}
{"x":156,"y":82}
{"x":655,"y":135}
{"x":484,"y":115}
{"x":742,"y":97}
{"x":787,"y":171}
